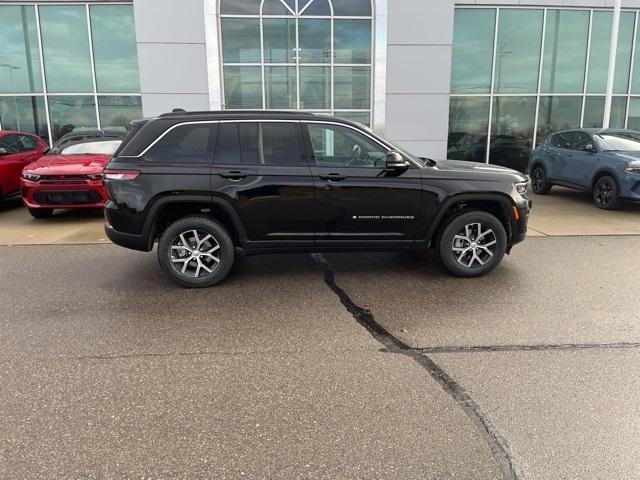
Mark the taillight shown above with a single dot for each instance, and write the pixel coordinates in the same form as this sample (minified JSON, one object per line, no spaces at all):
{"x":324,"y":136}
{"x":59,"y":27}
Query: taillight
{"x":121,"y":174}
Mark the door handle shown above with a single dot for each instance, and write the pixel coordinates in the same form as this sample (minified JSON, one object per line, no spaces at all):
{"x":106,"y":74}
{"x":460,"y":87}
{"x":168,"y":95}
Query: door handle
{"x":333,"y":177}
{"x":233,"y":175}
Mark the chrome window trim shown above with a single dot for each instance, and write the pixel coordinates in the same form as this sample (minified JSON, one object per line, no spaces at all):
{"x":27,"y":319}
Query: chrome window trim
{"x":370,"y":135}
{"x":201,"y":122}
{"x":172,"y":127}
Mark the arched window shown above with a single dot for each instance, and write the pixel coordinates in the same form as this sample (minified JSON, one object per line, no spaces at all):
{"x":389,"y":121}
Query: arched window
{"x":313,"y":55}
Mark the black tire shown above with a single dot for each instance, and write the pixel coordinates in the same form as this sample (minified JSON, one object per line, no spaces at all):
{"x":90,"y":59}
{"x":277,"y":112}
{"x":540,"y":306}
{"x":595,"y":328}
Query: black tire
{"x":212,"y":242}
{"x":41,"y":212}
{"x":606,"y":193}
{"x":481,"y":259}
{"x":539,"y":182}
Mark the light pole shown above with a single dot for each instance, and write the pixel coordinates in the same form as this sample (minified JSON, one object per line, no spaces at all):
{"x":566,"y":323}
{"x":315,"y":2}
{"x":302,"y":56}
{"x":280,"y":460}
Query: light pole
{"x":612,"y":64}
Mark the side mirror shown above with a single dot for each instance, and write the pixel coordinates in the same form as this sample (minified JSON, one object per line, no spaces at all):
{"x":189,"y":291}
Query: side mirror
{"x":395,"y":161}
{"x":3,"y":151}
{"x":589,"y":148}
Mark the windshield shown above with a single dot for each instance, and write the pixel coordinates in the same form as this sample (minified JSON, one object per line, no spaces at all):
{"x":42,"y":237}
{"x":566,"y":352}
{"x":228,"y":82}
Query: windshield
{"x":101,"y":146}
{"x":624,"y":141}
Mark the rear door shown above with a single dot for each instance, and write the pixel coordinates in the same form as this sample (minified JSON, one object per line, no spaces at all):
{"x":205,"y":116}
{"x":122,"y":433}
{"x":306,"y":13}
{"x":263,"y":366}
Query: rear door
{"x":260,"y":167}
{"x":358,"y":201}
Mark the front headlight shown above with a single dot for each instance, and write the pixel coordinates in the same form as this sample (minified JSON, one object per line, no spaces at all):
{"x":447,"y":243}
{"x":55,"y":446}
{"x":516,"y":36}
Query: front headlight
{"x":632,"y":169}
{"x":30,"y":176}
{"x":521,"y":187}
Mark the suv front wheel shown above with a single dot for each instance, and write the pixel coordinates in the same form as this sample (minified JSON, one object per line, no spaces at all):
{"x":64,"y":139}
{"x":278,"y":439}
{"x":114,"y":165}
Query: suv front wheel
{"x":605,"y":193}
{"x":196,"y":252}
{"x":472,"y":244}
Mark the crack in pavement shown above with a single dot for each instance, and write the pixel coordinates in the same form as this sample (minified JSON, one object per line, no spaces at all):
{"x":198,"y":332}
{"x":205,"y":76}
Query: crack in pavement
{"x":524,"y":348}
{"x":497,"y":443}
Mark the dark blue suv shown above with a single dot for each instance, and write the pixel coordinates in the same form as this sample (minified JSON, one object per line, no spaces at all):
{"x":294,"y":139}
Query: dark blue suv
{"x":605,"y":162}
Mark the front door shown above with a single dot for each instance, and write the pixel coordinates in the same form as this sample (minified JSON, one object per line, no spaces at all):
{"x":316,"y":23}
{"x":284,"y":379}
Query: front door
{"x":582,"y":163}
{"x":357,"y":200}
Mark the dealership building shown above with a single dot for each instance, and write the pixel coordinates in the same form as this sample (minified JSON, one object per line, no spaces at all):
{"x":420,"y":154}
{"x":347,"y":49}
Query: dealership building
{"x":464,"y":79}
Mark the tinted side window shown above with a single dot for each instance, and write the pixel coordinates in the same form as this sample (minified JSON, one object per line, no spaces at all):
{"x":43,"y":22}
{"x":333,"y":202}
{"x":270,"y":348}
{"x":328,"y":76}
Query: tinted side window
{"x":581,"y":140}
{"x":27,"y":143}
{"x":249,"y":142}
{"x":12,"y":141}
{"x":228,"y":149}
{"x":7,"y":147}
{"x":185,"y":144}
{"x":281,"y":144}
{"x":237,"y":144}
{"x":563,"y":140}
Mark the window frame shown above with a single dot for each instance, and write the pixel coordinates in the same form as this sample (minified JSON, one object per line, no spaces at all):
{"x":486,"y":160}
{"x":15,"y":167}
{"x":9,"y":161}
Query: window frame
{"x":622,"y":115}
{"x":44,"y":92}
{"x":377,"y":78}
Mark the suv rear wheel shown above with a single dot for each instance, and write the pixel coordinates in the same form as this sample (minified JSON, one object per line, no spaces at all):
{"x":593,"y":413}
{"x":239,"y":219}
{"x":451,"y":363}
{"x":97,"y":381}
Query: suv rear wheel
{"x":472,"y":244}
{"x":605,"y":193}
{"x":196,"y":252}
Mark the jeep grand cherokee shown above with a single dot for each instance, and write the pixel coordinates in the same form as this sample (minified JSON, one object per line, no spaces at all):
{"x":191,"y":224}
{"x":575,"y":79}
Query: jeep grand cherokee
{"x":204,"y":184}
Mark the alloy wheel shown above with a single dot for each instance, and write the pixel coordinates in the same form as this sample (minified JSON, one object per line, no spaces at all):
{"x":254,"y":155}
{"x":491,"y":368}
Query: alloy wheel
{"x":604,"y":194}
{"x":538,"y":180}
{"x":193,"y":253}
{"x":474,"y":245}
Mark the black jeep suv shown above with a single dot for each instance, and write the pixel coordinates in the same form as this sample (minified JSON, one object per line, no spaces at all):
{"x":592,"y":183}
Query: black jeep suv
{"x":207,"y":183}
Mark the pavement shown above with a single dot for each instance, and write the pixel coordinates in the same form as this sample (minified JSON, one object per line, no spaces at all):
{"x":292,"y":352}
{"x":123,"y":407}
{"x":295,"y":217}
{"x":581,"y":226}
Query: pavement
{"x":570,"y":212}
{"x":336,"y":366}
{"x":80,"y":226}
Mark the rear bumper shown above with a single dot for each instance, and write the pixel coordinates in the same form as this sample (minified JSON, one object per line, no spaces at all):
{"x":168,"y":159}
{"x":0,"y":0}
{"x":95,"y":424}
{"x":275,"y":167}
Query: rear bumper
{"x":127,"y":240}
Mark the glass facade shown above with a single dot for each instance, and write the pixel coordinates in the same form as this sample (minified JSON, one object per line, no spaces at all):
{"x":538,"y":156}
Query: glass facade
{"x":519,"y":74}
{"x":313,"y":55}
{"x":65,"y":67}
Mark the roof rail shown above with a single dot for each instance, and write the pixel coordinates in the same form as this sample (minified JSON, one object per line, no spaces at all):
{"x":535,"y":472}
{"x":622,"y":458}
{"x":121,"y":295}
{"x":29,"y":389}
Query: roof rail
{"x":236,"y":112}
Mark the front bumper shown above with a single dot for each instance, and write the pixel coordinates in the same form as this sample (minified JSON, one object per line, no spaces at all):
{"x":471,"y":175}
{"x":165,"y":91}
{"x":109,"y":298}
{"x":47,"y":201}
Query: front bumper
{"x":90,"y":194}
{"x":519,"y":229}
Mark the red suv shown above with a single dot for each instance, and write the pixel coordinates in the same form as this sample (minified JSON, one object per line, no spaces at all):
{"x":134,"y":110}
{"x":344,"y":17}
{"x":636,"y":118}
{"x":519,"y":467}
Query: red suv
{"x":17,"y":150}
{"x":70,"y":174}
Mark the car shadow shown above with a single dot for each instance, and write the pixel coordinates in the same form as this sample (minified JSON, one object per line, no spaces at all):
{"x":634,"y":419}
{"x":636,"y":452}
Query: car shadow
{"x":584,"y":198}
{"x":12,"y":203}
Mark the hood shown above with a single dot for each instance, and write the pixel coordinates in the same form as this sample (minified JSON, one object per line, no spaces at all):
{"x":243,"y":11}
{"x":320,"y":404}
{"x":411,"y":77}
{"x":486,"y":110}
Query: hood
{"x":628,"y":156}
{"x":474,"y":167}
{"x":68,"y":164}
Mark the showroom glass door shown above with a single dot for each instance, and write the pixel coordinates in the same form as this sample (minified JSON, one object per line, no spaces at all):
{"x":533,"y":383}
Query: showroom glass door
{"x":311,"y":55}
